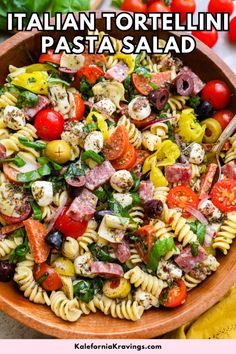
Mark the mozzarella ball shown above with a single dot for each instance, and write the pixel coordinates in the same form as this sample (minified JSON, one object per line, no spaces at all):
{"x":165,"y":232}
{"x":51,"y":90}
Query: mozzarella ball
{"x":105,"y":106}
{"x":150,"y":141}
{"x":122,"y":181}
{"x":14,"y":118}
{"x":42,"y":192}
{"x":197,"y":154}
{"x":125,"y":199}
{"x":145,"y":299}
{"x":94,"y":141}
{"x":139,"y":108}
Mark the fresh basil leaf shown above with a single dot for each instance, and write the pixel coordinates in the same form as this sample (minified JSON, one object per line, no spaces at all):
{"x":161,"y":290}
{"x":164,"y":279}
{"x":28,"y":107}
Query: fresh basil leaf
{"x":127,"y":82}
{"x":27,"y":99}
{"x":85,"y":88}
{"x":194,"y":249}
{"x":118,"y":209}
{"x":101,"y":194}
{"x":159,"y":249}
{"x":15,"y":160}
{"x":101,"y":253}
{"x":58,"y":183}
{"x":37,"y":212}
{"x":44,"y":170}
{"x":142,"y":71}
{"x":74,"y":171}
{"x":170,"y":131}
{"x":194,"y":102}
{"x":90,"y":154}
{"x":90,"y":127}
{"x":66,"y":6}
{"x":43,"y":278}
{"x":136,"y":198}
{"x":137,"y":182}
{"x":20,"y":252}
{"x":55,"y":81}
{"x":36,"y":145}
{"x":198,"y":229}
{"x":117,"y":3}
{"x":86,"y":289}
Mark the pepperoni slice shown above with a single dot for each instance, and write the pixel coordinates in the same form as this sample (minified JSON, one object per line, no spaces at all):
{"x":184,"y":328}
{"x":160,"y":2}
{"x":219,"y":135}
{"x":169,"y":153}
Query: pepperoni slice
{"x":36,"y":233}
{"x":116,"y":144}
{"x":10,"y":173}
{"x":142,"y":84}
{"x":94,"y":59}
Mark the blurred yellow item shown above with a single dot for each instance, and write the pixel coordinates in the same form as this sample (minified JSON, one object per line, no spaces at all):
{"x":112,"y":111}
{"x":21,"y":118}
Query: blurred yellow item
{"x":217,"y":323}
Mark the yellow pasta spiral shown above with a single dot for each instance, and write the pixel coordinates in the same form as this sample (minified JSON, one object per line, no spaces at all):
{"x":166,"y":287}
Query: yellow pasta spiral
{"x":7,"y":99}
{"x":134,"y":258}
{"x":177,"y":103}
{"x":161,"y":193}
{"x":147,"y":282}
{"x":226,"y":234}
{"x":179,"y":225}
{"x":90,"y":236}
{"x":136,"y":213}
{"x":66,"y":309}
{"x":135,"y":136}
{"x":8,"y":245}
{"x":70,"y":248}
{"x":191,"y":281}
{"x":231,"y":153}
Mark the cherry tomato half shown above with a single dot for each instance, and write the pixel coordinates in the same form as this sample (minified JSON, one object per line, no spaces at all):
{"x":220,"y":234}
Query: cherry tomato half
{"x":223,"y":195}
{"x":50,"y":57}
{"x":210,"y":38}
{"x":79,"y":107}
{"x":142,"y":84}
{"x":183,"y":6}
{"x":232,"y":30}
{"x":127,"y":160}
{"x":223,"y":117}
{"x":47,"y":277}
{"x":174,"y":296}
{"x":134,"y":6}
{"x":141,"y":156}
{"x":215,"y":6}
{"x":181,"y":197}
{"x":147,"y":234}
{"x":69,"y":227}
{"x":217,"y":93}
{"x":158,"y":6}
{"x":116,"y":145}
{"x":49,"y":124}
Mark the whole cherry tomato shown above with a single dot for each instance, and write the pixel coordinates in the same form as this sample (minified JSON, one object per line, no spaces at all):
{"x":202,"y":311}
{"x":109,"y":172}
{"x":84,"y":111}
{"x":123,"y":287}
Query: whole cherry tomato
{"x":210,"y":38}
{"x":68,"y":226}
{"x":217,"y":93}
{"x":134,"y":6}
{"x":47,"y":277}
{"x":232,"y":30}
{"x":223,"y":117}
{"x":184,"y":7}
{"x":221,"y":6}
{"x":49,"y":124}
{"x":158,"y":6}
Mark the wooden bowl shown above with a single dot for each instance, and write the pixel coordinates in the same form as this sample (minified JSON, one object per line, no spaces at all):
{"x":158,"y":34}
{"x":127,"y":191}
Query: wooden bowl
{"x":21,"y":50}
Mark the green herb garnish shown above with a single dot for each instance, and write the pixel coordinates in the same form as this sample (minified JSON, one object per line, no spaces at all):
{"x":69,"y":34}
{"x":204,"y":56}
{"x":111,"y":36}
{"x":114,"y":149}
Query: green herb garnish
{"x":36,"y":145}
{"x":90,"y":154}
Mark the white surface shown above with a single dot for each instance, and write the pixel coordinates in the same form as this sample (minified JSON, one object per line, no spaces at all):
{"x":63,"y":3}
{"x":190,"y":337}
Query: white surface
{"x":9,"y":328}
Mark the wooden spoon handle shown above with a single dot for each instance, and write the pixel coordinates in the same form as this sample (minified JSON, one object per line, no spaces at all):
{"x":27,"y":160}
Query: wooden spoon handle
{"x":229,"y":130}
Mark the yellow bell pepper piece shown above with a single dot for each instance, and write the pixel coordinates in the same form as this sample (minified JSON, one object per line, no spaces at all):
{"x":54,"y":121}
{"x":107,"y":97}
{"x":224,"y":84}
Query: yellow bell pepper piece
{"x":35,"y":82}
{"x":189,"y":128}
{"x":157,"y":177}
{"x":102,"y":125}
{"x":38,"y":67}
{"x":128,"y":59}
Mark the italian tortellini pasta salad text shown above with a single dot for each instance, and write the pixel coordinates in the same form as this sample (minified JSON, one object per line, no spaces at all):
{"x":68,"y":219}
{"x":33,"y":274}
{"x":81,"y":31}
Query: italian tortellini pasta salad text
{"x":109,"y":199}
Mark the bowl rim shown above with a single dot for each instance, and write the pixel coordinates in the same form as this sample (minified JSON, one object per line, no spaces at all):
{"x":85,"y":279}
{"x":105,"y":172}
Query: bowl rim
{"x":151,"y":329}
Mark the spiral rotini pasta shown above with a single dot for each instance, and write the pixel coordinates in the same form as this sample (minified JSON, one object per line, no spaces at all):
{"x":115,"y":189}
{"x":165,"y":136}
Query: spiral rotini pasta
{"x":90,"y":236}
{"x":226,"y":234}
{"x":66,"y":309}
{"x":86,"y":308}
{"x":8,"y":245}
{"x":231,"y":153}
{"x":147,"y":282}
{"x":126,"y":309}
{"x":150,"y":141}
{"x":48,"y":212}
{"x":7,"y":99}
{"x":179,"y":225}
{"x":12,"y":143}
{"x":25,"y":280}
{"x":60,"y":198}
{"x":137,"y":214}
{"x":191,"y":281}
{"x":161,"y":193}
{"x":134,"y":258}
{"x":160,"y":129}
{"x":177,"y":103}
{"x":135,"y":136}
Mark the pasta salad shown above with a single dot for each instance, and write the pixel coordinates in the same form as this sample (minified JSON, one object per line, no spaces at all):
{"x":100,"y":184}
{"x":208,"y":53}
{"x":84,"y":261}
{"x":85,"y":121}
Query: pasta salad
{"x":109,"y":198}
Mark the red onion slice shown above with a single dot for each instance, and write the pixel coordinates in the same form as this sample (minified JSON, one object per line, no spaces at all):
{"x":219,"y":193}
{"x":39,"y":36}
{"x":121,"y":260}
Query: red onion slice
{"x":197,"y":214}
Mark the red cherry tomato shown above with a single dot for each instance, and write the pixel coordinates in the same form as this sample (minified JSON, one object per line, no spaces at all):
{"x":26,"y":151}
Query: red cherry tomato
{"x":158,"y":6}
{"x":223,"y":195}
{"x":50,"y":57}
{"x":215,"y":6}
{"x":10,"y":173}
{"x":91,"y":74}
{"x":79,"y":107}
{"x":147,"y":234}
{"x":69,"y":227}
{"x":217,"y":93}
{"x":116,"y":145}
{"x":232,"y":30}
{"x":223,"y":117}
{"x":127,"y":160}
{"x":142,"y":84}
{"x":47,"y":277}
{"x":174,"y":296}
{"x":210,"y":38}
{"x":49,"y":124}
{"x":181,"y":197}
{"x":134,"y":6}
{"x":183,"y":6}
{"x":141,"y":156}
